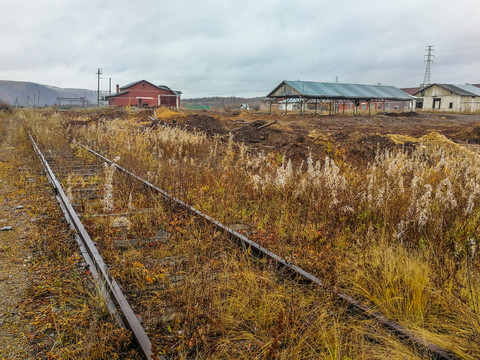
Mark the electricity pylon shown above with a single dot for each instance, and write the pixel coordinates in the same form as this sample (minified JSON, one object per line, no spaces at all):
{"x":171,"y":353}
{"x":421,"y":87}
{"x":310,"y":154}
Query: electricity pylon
{"x":428,"y":61}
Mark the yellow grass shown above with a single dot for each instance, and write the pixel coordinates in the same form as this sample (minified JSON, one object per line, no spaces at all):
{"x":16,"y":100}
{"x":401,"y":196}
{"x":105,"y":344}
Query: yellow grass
{"x":399,"y":233}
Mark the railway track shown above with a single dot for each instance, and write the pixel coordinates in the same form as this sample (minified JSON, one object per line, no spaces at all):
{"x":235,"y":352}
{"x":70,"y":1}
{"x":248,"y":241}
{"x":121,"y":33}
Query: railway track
{"x":88,"y":183}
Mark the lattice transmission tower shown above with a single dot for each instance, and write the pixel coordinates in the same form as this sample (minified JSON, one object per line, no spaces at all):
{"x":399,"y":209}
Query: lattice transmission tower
{"x":429,"y":56}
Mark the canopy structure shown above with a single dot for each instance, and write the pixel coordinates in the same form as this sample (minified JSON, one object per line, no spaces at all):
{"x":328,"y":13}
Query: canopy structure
{"x":303,"y":92}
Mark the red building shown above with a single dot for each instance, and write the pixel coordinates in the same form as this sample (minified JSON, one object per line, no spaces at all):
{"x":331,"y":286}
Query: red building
{"x":144,"y":93}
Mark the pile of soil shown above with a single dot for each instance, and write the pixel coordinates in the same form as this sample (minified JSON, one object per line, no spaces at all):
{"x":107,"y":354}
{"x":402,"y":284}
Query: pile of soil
{"x":293,"y":145}
{"x":469,"y":135}
{"x":251,"y":132}
{"x":362,"y":147}
{"x":207,"y":124}
{"x":165,"y":113}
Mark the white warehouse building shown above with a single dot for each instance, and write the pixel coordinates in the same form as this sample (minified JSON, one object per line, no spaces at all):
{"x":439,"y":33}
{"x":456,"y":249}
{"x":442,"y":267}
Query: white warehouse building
{"x":459,"y":98}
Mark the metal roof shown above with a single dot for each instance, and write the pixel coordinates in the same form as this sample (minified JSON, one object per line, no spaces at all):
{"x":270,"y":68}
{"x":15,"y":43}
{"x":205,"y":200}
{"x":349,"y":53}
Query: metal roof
{"x":463,"y":90}
{"x":134,"y":83}
{"x":318,"y":90}
{"x":163,"y":87}
{"x":117,"y":94}
{"x":467,"y":90}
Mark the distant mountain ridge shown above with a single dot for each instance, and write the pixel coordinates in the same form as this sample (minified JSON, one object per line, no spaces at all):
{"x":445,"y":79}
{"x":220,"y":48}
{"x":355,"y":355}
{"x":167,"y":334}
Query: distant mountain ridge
{"x":21,"y":93}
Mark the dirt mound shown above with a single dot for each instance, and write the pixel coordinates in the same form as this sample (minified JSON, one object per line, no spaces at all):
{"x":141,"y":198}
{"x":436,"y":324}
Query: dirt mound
{"x":469,"y":135}
{"x":164,"y":112}
{"x":437,"y":141}
{"x":251,"y":132}
{"x":360,"y":146}
{"x":269,"y":136}
{"x":249,"y":115}
{"x":205,"y":123}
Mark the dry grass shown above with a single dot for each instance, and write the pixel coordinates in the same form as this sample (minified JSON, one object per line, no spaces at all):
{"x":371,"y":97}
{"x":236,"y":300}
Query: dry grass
{"x":400,"y":233}
{"x":66,"y":318}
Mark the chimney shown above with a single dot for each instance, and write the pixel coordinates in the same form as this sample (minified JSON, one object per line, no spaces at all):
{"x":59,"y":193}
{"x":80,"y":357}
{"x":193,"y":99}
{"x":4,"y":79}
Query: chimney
{"x":118,"y":89}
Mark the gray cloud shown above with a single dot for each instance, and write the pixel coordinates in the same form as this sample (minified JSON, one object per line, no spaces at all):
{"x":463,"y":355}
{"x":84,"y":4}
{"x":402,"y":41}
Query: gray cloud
{"x":244,"y":48}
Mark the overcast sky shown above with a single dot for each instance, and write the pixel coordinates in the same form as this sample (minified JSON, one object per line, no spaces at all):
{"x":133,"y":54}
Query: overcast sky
{"x":242,"y":48}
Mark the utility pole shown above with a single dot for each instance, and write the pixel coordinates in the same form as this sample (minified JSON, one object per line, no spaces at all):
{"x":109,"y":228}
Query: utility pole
{"x":428,"y":61}
{"x":99,"y":72}
{"x":110,"y":86}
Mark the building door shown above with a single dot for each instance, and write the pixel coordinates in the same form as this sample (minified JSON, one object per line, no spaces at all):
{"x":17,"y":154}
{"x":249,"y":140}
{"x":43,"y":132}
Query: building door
{"x":436,"y":103}
{"x":419,"y":103}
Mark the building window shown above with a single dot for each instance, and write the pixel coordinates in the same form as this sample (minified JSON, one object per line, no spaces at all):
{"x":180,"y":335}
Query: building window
{"x":379,"y":105}
{"x":364,"y":106}
{"x":387,"y":106}
{"x":450,"y":105}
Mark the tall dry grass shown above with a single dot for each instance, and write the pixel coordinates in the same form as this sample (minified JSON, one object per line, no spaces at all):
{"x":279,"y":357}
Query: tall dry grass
{"x":400,"y":233}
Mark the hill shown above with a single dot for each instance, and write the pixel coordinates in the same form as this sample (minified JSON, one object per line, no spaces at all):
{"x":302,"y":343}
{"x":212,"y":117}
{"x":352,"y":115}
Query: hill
{"x":20,"y":93}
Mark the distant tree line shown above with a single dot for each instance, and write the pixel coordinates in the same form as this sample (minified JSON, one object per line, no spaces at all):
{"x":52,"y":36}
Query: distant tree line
{"x":227,"y":103}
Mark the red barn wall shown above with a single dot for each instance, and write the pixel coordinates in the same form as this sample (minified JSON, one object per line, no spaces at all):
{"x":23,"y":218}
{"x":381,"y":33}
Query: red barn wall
{"x":144,"y":94}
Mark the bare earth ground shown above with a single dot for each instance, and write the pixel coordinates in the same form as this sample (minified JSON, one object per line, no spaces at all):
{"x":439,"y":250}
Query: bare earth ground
{"x":300,"y":136}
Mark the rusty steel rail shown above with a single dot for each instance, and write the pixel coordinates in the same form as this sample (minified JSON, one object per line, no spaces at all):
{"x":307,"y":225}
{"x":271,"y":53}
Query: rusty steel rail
{"x":256,"y":250}
{"x":111,"y":291}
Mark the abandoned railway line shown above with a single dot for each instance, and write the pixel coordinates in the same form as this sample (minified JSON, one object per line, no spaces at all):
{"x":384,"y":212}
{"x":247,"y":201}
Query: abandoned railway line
{"x":132,"y":236}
